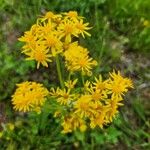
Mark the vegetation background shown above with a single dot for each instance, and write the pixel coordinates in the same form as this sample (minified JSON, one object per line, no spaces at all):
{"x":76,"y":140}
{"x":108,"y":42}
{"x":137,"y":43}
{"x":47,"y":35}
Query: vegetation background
{"x":120,"y":40}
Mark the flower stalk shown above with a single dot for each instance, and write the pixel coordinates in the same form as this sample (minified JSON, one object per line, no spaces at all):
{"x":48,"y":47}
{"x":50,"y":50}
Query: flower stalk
{"x":59,"y":72}
{"x":82,"y":78}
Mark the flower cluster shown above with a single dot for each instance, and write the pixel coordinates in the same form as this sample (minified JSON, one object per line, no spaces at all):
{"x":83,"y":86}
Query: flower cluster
{"x":29,"y":96}
{"x":52,"y":35}
{"x":94,"y":103}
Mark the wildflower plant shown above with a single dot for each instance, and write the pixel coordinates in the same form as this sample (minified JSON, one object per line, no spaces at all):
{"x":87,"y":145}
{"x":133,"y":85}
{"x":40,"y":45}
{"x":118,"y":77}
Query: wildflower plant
{"x":95,"y":103}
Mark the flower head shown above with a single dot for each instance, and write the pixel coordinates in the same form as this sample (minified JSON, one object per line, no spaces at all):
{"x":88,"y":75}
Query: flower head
{"x":99,"y":119}
{"x":67,"y":29}
{"x":49,"y":16}
{"x":70,"y":84}
{"x":77,"y":59}
{"x":63,"y":96}
{"x":73,"y":15}
{"x":82,"y":28}
{"x":118,"y":85}
{"x":84,"y":106}
{"x":53,"y":42}
{"x":41,"y":55}
{"x":99,"y":84}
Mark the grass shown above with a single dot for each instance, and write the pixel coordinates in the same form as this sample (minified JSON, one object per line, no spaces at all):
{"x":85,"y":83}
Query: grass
{"x":119,"y":40}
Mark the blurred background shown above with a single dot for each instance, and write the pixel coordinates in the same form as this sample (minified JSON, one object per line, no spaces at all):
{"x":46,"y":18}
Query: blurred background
{"x":120,"y":40}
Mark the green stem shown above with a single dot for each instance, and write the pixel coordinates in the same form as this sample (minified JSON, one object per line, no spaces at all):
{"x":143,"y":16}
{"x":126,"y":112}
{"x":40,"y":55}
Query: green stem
{"x":103,"y":42}
{"x":69,"y":76}
{"x":96,"y":16}
{"x":82,"y":78}
{"x":59,"y":72}
{"x":102,"y":49}
{"x":92,"y":143}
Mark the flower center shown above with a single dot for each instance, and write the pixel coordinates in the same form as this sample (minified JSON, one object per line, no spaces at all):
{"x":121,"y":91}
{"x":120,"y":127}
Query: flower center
{"x":80,"y":26}
{"x":84,"y":106}
{"x":82,"y":63}
{"x":116,"y":89}
{"x":40,"y":56}
{"x":66,"y":96}
{"x":51,"y":42}
{"x":68,"y":29}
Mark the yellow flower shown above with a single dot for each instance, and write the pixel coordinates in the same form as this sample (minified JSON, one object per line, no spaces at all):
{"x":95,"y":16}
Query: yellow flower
{"x":72,"y":123}
{"x":98,"y":121}
{"x":77,"y":59}
{"x":118,"y":85}
{"x":100,"y":84}
{"x":97,"y":94}
{"x":46,"y":28}
{"x":74,"y":52}
{"x":84,"y":106}
{"x":28,"y":35}
{"x":67,"y":29}
{"x":85,"y":64}
{"x":41,"y":55}
{"x":66,"y":46}
{"x":50,"y":16}
{"x":28,"y":47}
{"x":28,"y":96}
{"x":54,"y":93}
{"x":73,"y":15}
{"x":82,"y":28}
{"x":30,"y":39}
{"x":63,"y":96}
{"x":70,"y":84}
{"x":54,"y":43}
{"x":113,"y":105}
{"x":67,"y":126}
{"x":86,"y":86}
{"x":99,"y":118}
